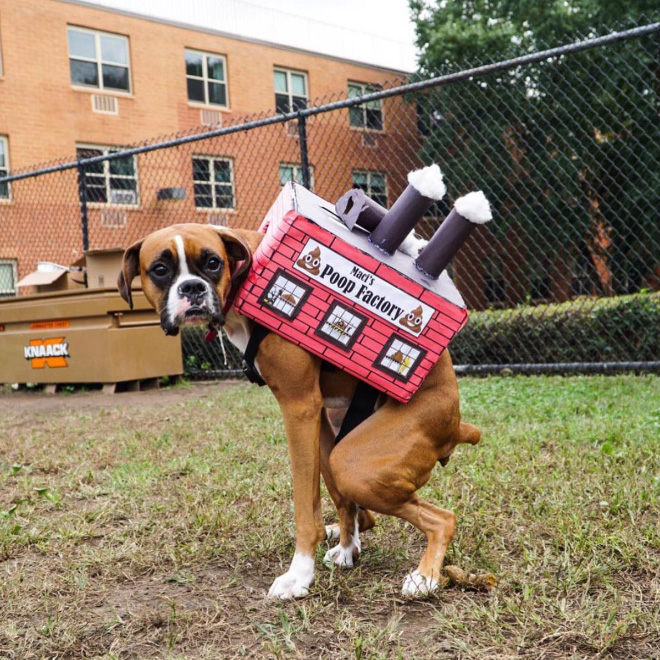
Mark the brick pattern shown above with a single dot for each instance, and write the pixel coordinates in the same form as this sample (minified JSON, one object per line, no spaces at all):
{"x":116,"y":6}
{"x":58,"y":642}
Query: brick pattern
{"x":379,"y":352}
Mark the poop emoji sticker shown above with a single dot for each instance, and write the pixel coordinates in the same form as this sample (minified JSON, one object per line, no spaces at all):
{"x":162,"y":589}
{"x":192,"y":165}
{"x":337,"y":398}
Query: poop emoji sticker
{"x":413,"y":320}
{"x":311,"y":262}
{"x":403,"y":361}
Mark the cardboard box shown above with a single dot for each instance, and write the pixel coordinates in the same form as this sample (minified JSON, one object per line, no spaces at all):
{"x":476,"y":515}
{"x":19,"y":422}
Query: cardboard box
{"x":97,"y":269}
{"x":103,"y":267}
{"x":54,"y":279}
{"x":329,"y":290}
{"x":83,"y":336}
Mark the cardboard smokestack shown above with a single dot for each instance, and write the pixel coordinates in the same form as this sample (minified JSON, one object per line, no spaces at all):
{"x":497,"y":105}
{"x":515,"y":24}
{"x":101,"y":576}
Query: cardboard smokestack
{"x":355,"y":208}
{"x":425,"y":186}
{"x":469,"y":211}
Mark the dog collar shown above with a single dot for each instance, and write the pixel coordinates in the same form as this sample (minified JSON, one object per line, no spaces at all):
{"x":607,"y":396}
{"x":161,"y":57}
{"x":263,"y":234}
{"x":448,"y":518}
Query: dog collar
{"x":212,"y":328}
{"x":211,"y":332}
{"x":231,"y":296}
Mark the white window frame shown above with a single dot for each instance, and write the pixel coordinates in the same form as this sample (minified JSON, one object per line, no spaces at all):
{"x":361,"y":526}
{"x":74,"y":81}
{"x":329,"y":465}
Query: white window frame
{"x":366,"y":88}
{"x":4,"y":142}
{"x":206,"y":80}
{"x":14,"y":264}
{"x":212,"y":182}
{"x":100,"y":62}
{"x":107,"y":149}
{"x":369,"y":173}
{"x":289,"y":93}
{"x":297,"y":174}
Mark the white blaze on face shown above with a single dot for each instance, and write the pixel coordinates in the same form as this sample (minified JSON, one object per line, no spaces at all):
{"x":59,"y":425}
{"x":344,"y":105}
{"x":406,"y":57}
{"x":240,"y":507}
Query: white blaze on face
{"x":176,"y":304}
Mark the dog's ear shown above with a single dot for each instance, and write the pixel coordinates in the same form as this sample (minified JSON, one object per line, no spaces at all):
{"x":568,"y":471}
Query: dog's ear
{"x":129,"y":271}
{"x":238,"y":250}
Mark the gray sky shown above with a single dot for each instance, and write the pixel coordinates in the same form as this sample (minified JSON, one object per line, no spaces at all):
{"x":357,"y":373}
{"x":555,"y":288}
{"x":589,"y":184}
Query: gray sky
{"x":373,"y":31}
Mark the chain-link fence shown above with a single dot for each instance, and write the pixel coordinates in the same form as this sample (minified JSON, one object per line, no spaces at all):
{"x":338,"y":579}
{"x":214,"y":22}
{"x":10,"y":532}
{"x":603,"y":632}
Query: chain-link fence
{"x":565,"y":143}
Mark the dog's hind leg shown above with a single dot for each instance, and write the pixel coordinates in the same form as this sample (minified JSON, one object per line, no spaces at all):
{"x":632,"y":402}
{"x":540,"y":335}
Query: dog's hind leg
{"x":438,"y":525}
{"x":387,"y":493}
{"x":381,"y":464}
{"x":352,"y":520}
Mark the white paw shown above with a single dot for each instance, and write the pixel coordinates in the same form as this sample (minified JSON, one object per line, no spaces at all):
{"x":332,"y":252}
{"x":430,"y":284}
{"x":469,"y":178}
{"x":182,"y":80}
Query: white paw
{"x":332,"y":532}
{"x":296,"y":581}
{"x":417,"y":584}
{"x":344,"y":556}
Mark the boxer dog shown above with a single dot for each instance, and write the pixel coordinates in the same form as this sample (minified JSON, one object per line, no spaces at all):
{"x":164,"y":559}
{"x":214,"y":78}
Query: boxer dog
{"x":188,"y":273}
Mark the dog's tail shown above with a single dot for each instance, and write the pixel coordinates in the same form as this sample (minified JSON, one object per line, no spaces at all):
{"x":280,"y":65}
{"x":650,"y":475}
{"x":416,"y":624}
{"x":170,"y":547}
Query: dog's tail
{"x":469,"y":434}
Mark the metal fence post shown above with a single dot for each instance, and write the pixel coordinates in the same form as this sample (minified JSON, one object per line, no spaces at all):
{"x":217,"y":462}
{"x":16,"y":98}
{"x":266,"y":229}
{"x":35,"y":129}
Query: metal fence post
{"x":82,"y":197}
{"x":304,"y":157}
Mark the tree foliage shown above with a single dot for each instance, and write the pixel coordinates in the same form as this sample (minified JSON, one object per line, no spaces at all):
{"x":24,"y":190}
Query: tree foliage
{"x":568,"y":149}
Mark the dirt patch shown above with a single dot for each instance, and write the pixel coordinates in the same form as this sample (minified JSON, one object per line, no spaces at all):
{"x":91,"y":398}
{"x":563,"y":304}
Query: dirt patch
{"x":37,"y":400}
{"x":150,"y":525}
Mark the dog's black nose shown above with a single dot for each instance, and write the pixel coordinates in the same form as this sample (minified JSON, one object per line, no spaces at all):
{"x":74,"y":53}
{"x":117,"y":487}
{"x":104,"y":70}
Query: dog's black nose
{"x":194,"y":290}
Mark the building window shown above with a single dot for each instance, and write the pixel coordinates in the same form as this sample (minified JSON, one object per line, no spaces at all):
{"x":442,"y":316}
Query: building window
{"x":5,"y":188}
{"x":110,"y":181}
{"x":374,"y":185}
{"x":293,"y":172}
{"x":368,"y":115}
{"x":206,"y":75}
{"x":7,"y":278}
{"x":290,"y":90}
{"x":213,"y":181}
{"x":98,"y":59}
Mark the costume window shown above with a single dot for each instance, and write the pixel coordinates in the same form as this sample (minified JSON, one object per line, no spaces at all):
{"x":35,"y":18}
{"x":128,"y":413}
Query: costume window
{"x":341,"y":326}
{"x":285,"y":295}
{"x":399,"y":358}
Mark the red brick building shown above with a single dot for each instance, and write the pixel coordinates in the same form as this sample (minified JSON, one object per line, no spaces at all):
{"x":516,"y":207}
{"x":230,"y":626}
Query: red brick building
{"x":78,"y":80}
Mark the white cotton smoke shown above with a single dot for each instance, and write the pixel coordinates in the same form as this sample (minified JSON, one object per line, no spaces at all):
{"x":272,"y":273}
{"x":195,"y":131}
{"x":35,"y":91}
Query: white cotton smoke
{"x":412,"y":245}
{"x":474,"y":207}
{"x":428,"y":182}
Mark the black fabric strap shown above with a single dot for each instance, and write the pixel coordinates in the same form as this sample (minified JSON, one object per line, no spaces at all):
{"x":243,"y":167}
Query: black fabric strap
{"x":362,"y":406}
{"x":258,"y":334}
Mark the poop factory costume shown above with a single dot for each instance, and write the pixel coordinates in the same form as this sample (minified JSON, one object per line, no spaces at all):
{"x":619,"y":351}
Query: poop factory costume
{"x":337,"y":281}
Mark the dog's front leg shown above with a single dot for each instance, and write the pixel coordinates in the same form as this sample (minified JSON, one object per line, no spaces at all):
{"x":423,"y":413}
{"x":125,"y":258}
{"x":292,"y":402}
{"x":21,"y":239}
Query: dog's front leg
{"x":293,"y":376}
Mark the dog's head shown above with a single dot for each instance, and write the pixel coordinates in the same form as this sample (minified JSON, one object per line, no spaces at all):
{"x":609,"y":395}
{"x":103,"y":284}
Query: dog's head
{"x":187,"y":271}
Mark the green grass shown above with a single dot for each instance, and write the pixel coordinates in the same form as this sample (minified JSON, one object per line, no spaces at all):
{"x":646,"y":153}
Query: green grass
{"x":152,"y":527}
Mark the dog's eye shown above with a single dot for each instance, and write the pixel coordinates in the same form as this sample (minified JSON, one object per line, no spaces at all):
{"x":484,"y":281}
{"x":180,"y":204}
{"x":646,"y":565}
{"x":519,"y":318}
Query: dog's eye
{"x":160,"y":270}
{"x":213,"y":264}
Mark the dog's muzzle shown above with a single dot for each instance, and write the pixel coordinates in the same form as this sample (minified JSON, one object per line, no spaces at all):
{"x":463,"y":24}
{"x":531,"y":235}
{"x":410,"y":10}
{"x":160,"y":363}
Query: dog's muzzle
{"x":194,"y":291}
{"x":191,"y":301}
